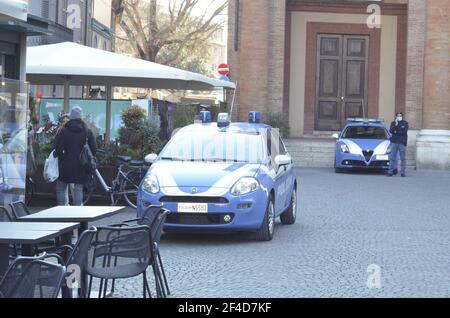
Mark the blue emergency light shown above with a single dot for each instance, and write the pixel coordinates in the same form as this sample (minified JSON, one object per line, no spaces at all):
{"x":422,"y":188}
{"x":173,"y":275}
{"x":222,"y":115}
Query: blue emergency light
{"x":254,"y":117}
{"x":206,"y":117}
{"x":365,"y":120}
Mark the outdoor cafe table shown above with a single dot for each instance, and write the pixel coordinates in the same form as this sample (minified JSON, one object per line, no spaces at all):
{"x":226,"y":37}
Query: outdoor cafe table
{"x":28,"y":235}
{"x":80,"y":214}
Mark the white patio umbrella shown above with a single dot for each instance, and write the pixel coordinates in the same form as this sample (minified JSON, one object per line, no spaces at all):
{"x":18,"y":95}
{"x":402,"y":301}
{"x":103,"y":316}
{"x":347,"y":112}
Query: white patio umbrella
{"x":52,"y":64}
{"x":69,"y":63}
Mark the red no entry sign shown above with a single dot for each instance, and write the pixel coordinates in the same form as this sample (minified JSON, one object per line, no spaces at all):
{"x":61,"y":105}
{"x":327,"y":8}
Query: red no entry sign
{"x":224,"y":70}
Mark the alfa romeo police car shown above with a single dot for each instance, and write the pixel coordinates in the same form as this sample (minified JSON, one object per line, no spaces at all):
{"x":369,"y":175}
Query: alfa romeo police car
{"x":223,"y":176}
{"x":362,"y":144}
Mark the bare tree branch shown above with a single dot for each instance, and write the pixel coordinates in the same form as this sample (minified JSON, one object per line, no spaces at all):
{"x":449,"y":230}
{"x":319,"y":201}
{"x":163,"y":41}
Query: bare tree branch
{"x":172,"y":29}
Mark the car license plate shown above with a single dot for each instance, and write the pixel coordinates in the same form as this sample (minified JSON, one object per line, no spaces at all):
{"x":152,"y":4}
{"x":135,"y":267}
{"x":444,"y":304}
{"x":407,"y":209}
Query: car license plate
{"x":192,"y":208}
{"x":383,"y":157}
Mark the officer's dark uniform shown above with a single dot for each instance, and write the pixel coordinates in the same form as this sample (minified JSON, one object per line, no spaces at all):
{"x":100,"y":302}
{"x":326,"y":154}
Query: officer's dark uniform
{"x":399,"y":142}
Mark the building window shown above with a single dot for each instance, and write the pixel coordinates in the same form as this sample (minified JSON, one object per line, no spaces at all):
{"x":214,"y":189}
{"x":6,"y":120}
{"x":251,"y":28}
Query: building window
{"x":95,"y":44}
{"x":105,"y":45}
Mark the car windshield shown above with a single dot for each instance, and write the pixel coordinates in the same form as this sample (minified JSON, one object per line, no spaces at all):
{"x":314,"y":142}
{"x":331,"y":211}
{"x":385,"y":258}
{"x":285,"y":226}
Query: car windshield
{"x":216,"y":146}
{"x":365,"y":132}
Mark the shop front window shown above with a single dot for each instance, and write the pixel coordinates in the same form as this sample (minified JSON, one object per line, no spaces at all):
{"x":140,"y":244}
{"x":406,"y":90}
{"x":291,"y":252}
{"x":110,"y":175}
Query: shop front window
{"x":13,"y":139}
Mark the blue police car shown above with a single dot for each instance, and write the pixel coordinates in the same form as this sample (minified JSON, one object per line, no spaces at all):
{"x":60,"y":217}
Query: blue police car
{"x":223,"y":176}
{"x":362,"y":144}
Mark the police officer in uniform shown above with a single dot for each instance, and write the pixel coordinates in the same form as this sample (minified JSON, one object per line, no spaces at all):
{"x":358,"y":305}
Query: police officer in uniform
{"x":399,"y":142}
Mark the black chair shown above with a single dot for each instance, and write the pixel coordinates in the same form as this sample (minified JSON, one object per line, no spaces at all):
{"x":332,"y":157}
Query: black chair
{"x":16,"y":265}
{"x":76,"y":255}
{"x":4,"y":215}
{"x":156,"y":229}
{"x":32,"y":278}
{"x":154,"y":217}
{"x":19,"y":209}
{"x":119,"y":253}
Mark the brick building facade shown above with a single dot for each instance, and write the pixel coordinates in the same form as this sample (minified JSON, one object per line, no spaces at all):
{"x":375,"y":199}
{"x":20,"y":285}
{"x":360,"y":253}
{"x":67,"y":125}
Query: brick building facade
{"x":319,"y":62}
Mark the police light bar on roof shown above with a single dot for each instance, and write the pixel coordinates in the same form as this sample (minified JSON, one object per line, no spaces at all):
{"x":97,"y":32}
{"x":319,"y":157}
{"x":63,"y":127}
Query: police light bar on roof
{"x":366,"y":120}
{"x":205,"y":117}
{"x":254,"y":117}
{"x":223,"y":120}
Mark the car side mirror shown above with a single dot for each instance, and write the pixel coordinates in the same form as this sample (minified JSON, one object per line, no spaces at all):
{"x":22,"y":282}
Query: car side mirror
{"x":283,"y":160}
{"x":335,"y":136}
{"x":151,"y":158}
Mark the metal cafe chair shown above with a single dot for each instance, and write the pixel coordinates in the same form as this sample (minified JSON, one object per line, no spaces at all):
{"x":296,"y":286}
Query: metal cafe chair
{"x":120,"y":253}
{"x":28,"y":278}
{"x":154,"y":217}
{"x":68,"y":255}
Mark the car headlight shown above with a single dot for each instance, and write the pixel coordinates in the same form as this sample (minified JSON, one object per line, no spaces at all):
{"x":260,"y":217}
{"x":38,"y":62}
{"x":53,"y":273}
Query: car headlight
{"x":245,"y":186}
{"x":344,"y":148}
{"x":151,"y":184}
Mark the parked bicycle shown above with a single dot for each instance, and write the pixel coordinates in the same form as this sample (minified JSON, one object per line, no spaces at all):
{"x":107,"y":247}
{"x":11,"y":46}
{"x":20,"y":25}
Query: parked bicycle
{"x":125,"y":185}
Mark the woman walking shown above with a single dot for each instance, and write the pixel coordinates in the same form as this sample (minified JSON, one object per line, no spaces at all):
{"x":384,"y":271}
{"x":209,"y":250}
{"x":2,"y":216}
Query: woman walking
{"x":68,"y":145}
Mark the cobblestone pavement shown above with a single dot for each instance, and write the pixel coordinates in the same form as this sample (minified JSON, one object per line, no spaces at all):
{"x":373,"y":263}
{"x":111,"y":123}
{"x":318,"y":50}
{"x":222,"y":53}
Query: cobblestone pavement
{"x":346,"y":223}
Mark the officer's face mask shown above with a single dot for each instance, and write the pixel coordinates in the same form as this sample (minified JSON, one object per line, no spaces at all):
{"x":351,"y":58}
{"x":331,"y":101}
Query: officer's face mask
{"x":399,"y":118}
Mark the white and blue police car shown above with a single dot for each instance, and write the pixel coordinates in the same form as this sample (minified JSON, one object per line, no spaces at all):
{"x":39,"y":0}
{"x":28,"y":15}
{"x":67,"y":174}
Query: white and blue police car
{"x":223,"y":176}
{"x":363,"y":144}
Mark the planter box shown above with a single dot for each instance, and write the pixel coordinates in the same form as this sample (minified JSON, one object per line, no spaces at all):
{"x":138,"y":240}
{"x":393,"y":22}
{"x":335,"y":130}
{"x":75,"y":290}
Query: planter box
{"x":47,"y":191}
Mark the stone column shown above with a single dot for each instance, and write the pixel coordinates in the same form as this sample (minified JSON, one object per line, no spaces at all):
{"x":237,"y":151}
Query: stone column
{"x":433,"y":141}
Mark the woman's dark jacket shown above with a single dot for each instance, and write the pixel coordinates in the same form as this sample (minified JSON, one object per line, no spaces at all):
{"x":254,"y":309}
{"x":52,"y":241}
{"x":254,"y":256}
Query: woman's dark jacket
{"x":68,"y":145}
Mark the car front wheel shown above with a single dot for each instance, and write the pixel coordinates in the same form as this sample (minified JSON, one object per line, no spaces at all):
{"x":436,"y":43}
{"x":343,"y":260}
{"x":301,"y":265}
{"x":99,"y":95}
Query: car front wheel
{"x":336,"y":169}
{"x":265,"y":233}
{"x":290,"y":215}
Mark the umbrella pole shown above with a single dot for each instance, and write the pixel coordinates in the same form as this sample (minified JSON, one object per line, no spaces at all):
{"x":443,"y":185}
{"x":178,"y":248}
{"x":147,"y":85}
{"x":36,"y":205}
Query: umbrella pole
{"x":108,"y":114}
{"x":67,"y":95}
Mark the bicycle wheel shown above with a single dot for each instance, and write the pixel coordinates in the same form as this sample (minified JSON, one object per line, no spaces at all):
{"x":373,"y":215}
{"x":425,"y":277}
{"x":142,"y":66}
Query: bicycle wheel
{"x":130,"y":186}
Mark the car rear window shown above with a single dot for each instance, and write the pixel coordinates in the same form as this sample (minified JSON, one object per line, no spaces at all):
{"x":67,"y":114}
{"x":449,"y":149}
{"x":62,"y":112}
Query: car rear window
{"x":365,"y":132}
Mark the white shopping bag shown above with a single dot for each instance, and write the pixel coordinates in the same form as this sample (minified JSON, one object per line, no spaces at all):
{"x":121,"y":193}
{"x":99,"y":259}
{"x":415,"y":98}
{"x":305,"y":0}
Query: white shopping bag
{"x":51,"y":169}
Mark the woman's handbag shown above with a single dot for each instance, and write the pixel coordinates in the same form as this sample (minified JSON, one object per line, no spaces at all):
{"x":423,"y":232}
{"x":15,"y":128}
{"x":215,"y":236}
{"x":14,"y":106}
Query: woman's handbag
{"x":87,"y":159}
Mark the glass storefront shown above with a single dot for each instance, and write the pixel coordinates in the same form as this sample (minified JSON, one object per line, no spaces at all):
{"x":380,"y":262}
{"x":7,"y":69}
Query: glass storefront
{"x":13,"y":139}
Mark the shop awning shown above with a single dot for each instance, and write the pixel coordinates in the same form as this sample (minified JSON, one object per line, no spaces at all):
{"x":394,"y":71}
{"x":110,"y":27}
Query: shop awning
{"x":34,"y":25}
{"x":82,"y":65}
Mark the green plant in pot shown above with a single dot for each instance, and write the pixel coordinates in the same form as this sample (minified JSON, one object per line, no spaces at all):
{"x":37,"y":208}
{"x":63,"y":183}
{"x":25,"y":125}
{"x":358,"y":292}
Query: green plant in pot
{"x":278,"y":120}
{"x":139,"y":135}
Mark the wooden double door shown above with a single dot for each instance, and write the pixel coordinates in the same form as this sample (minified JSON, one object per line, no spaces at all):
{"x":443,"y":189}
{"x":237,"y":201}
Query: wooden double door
{"x":342,"y":80}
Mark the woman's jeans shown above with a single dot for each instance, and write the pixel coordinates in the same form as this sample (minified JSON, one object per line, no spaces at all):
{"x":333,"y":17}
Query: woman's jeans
{"x":62,"y":193}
